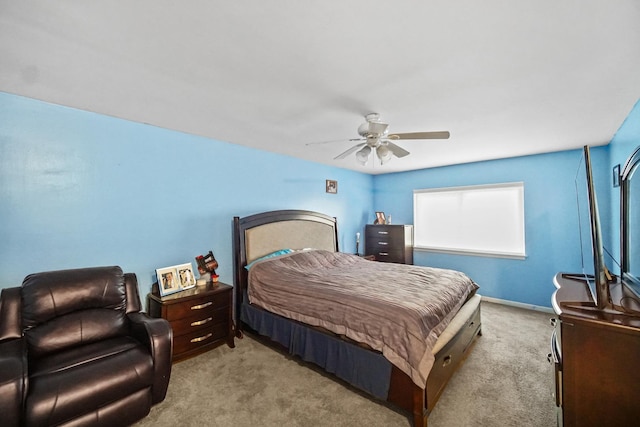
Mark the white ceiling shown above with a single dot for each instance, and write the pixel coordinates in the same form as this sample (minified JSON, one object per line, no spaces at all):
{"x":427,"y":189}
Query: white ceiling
{"x":506,"y":78}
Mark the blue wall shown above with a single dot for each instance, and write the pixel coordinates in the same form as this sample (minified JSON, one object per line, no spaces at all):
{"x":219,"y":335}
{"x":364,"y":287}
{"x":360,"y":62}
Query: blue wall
{"x":551,"y":222}
{"x":81,"y":189}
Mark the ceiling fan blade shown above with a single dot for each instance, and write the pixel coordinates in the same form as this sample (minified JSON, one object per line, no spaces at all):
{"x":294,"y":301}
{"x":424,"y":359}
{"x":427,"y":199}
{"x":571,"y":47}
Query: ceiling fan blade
{"x":421,"y":135}
{"x":334,"y":140}
{"x":349,"y":151}
{"x":396,"y":150}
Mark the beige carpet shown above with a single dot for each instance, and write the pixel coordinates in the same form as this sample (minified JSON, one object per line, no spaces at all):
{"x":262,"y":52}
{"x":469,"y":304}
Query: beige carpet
{"x":506,"y":381}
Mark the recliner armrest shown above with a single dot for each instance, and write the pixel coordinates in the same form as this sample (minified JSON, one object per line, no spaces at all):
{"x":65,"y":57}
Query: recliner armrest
{"x":10,"y":316}
{"x":13,"y":381}
{"x":157,"y":335}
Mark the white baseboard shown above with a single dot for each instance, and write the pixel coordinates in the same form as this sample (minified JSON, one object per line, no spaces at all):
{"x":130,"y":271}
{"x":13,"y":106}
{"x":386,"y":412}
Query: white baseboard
{"x":519,"y":304}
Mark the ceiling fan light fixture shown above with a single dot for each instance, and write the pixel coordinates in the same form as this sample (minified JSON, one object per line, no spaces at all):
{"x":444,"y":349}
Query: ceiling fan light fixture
{"x":362,"y":155}
{"x":363,"y":129}
{"x":378,"y":128}
{"x":384,"y":154}
{"x":374,"y":136}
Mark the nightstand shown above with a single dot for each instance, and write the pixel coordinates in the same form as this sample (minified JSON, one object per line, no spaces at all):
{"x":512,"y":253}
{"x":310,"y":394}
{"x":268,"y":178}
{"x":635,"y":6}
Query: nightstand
{"x":200,"y":318}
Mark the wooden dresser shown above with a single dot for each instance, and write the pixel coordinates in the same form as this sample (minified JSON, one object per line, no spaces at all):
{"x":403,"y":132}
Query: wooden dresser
{"x":200,"y":318}
{"x":390,"y":243}
{"x":596,"y":356}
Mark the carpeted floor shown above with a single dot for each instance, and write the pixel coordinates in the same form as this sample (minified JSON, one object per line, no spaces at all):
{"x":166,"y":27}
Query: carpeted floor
{"x":505,"y":381}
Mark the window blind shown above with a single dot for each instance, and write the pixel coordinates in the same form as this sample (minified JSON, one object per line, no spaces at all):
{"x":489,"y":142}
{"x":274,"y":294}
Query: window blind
{"x":483,"y":220}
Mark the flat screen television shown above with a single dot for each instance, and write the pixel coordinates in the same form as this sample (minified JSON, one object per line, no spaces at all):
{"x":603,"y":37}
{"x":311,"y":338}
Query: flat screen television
{"x":594,"y":269}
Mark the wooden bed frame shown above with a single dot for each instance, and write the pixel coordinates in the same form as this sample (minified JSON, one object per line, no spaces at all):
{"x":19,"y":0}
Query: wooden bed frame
{"x":260,"y":234}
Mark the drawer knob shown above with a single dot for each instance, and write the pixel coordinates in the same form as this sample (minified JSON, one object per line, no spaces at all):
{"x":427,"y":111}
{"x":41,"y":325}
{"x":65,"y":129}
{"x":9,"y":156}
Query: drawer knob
{"x":383,"y":232}
{"x":201,"y":306}
{"x":202,"y":338}
{"x":384,"y":253}
{"x":446,"y":360}
{"x":202,"y":322}
{"x":383,"y":243}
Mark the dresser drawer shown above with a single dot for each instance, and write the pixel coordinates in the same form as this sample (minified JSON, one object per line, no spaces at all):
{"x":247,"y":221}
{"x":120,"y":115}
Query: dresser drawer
{"x":197,"y":306}
{"x":382,"y":242}
{"x":199,"y":321}
{"x":396,"y":256}
{"x":196,"y":339}
{"x":385,"y":233}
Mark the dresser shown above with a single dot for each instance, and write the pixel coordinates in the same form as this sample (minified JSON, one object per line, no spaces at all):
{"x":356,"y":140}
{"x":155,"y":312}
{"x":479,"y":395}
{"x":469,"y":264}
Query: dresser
{"x":596,"y":355}
{"x":200,"y":318}
{"x":390,"y":243}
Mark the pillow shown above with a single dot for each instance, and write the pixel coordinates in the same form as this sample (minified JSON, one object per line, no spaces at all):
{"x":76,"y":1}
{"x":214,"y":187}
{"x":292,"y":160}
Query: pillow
{"x":271,"y":255}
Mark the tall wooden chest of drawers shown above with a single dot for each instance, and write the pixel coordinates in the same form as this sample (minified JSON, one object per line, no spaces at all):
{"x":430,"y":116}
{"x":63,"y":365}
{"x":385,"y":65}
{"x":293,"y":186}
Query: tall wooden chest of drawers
{"x":200,"y":318}
{"x":390,"y":243}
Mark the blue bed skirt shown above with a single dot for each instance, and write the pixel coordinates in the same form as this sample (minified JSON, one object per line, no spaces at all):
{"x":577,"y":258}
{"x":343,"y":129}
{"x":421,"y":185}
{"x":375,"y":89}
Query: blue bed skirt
{"x":364,"y":369}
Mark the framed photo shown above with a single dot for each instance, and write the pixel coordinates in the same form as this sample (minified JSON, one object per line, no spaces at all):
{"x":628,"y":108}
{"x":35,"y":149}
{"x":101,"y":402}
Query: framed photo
{"x":168,"y":281}
{"x":380,"y":218}
{"x":332,"y":186}
{"x":185,"y":276}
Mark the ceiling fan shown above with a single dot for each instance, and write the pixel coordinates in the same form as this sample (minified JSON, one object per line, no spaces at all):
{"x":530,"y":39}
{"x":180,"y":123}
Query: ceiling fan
{"x":375,"y":136}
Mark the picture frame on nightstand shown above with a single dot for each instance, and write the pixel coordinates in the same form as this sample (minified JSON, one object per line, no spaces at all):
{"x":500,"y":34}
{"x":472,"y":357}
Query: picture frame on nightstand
{"x":186,"y":276}
{"x":168,"y":280}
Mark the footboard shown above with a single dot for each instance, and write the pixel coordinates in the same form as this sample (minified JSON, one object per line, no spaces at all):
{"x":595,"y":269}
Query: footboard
{"x":407,"y":395}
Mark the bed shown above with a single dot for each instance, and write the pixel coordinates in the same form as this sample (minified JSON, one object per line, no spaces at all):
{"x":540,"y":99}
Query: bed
{"x":383,"y":343}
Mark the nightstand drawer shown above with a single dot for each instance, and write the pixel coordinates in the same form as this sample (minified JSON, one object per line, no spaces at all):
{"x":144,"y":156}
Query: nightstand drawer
{"x":200,"y":321}
{"x":196,"y":339}
{"x":196,"y":306}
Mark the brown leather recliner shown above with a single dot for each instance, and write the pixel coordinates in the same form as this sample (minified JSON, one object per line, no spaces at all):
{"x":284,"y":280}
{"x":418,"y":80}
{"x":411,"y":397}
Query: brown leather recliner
{"x":76,"y":350}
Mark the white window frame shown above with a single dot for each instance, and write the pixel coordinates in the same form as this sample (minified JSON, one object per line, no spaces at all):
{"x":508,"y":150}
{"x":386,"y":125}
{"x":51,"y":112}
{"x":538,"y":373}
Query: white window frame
{"x":485,"y":220}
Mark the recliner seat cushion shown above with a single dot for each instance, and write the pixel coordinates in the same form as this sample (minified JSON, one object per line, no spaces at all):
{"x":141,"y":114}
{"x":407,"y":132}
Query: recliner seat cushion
{"x":88,"y":377}
{"x":75,"y":329}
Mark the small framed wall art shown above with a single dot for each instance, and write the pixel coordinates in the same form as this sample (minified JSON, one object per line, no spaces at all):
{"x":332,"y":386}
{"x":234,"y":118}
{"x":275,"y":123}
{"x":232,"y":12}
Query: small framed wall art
{"x":332,"y":186}
{"x":616,"y":175}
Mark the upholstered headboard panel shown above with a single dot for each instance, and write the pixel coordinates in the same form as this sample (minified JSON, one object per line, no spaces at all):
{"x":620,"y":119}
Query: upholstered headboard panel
{"x":261,"y":234}
{"x":292,"y":234}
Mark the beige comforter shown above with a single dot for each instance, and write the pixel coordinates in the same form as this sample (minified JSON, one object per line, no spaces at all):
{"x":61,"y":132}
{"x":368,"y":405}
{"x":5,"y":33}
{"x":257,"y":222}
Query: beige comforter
{"x":396,"y":309}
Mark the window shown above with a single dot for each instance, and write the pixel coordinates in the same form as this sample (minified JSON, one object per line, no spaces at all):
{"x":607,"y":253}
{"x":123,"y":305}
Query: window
{"x":483,"y":220}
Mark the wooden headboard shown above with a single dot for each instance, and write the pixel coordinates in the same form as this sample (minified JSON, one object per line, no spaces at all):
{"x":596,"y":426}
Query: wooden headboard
{"x":261,"y":234}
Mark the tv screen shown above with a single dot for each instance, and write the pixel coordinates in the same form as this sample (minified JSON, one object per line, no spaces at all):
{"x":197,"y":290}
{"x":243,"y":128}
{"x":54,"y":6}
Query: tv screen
{"x":593,"y":266}
{"x":584,"y":223}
